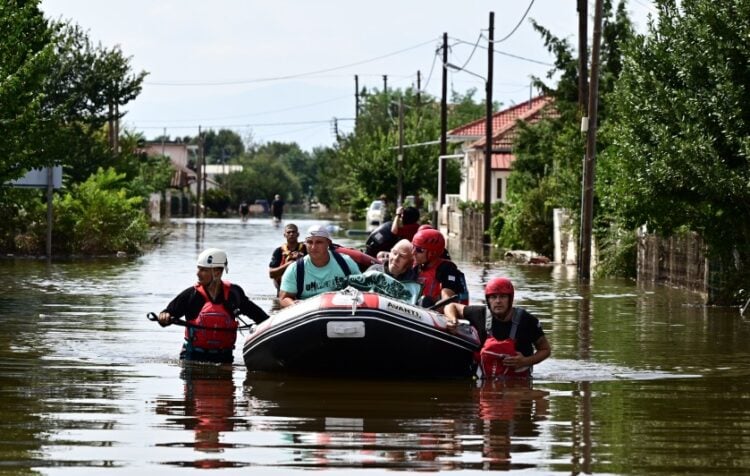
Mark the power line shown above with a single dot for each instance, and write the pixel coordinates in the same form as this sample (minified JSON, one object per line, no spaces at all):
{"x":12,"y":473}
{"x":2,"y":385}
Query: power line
{"x":261,"y":124}
{"x":518,"y":25}
{"x":432,"y":68}
{"x":479,"y":38}
{"x":292,"y":108}
{"x":285,"y":77}
{"x":511,"y":55}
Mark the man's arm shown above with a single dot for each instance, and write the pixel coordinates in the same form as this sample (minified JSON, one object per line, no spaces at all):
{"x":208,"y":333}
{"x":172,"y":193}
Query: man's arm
{"x":278,"y":272}
{"x":453,"y":312}
{"x":543,"y":349}
{"x":286,"y":299}
{"x":177,"y":308}
{"x":249,"y":308}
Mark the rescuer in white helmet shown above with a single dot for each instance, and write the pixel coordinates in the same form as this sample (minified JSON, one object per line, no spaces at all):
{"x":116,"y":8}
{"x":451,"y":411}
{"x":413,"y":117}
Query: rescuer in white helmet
{"x":210,"y":308}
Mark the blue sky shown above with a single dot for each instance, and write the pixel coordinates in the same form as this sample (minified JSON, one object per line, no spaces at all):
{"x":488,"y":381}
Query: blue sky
{"x":282,"y":70}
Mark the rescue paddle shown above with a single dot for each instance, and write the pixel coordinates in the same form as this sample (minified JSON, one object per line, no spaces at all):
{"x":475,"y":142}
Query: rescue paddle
{"x":151,"y":316}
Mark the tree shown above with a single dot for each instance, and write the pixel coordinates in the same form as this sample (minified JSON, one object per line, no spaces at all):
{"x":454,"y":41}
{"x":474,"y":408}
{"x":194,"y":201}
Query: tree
{"x":58,"y":91}
{"x":223,"y":146}
{"x":368,"y":156}
{"x":547,"y":172}
{"x":26,"y":56}
{"x":679,"y":159}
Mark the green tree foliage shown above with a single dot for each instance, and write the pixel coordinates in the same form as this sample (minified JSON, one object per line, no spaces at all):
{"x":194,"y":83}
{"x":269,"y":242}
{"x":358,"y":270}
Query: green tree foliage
{"x":297,"y":162}
{"x":547,"y":172}
{"x":217,"y":200}
{"x":26,"y":57}
{"x":262,"y":177}
{"x":57,"y":91}
{"x":681,"y":137}
{"x":99,"y":216}
{"x":329,"y":187}
{"x":369,"y":156}
{"x":222,"y":147}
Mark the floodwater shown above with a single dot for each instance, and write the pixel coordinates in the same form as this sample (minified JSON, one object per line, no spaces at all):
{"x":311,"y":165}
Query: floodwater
{"x":642,"y":380}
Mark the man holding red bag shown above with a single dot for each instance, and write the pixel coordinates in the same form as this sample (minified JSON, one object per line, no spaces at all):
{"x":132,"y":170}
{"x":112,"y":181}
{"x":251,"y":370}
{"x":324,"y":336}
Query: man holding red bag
{"x":512,"y":339}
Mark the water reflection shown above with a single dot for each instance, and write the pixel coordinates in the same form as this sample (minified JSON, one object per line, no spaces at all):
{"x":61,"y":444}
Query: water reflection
{"x":398,"y":425}
{"x":208,"y":410}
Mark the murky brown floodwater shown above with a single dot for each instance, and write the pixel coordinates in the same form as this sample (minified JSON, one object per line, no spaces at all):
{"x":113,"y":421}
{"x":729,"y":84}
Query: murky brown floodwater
{"x":641,"y":381}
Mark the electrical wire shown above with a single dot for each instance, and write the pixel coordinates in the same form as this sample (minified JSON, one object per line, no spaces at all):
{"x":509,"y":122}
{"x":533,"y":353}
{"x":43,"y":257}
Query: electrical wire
{"x":286,"y":109}
{"x":285,"y":77}
{"x":479,"y":38}
{"x":261,"y":124}
{"x":511,"y":55}
{"x":432,"y":68}
{"x":518,"y":25}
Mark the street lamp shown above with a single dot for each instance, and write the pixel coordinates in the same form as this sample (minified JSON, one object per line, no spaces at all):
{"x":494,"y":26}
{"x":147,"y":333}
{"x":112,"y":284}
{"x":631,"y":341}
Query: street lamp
{"x":487,"y":150}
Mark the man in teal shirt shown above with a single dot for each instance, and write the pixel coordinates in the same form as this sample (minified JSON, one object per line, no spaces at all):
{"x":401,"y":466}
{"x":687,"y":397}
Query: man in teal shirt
{"x":322,"y":269}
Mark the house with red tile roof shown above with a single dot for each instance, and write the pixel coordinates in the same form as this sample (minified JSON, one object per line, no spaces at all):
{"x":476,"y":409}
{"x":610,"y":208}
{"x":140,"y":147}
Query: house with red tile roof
{"x":504,"y":131}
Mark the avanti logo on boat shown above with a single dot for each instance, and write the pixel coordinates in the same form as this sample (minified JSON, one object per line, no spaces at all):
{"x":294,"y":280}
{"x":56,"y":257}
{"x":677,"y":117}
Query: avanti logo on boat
{"x":403,"y":310}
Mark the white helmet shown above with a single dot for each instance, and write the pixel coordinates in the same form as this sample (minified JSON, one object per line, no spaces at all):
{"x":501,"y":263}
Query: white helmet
{"x":213,"y":258}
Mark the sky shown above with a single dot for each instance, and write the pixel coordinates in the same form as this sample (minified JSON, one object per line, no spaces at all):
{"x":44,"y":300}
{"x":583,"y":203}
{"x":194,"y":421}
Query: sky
{"x":282,"y":70}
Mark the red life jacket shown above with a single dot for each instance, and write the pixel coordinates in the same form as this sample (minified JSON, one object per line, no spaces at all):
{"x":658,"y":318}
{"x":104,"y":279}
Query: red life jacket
{"x":432,"y":288}
{"x":217,"y":316}
{"x":493,"y":352}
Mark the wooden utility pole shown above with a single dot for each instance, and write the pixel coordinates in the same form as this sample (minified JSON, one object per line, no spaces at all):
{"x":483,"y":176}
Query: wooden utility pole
{"x":443,"y":121}
{"x":199,"y":174}
{"x":587,"y":211}
{"x":583,"y":70}
{"x":400,"y":197}
{"x":419,"y":87}
{"x":50,"y":198}
{"x":356,"y":100}
{"x":488,"y":136}
{"x":385,"y":84}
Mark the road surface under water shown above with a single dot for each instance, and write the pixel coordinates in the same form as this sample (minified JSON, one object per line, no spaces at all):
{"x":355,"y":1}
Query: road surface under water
{"x":642,"y":380}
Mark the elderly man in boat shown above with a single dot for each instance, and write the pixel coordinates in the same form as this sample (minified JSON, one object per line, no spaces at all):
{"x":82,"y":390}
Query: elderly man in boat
{"x":399,"y":262}
{"x":321,"y":270}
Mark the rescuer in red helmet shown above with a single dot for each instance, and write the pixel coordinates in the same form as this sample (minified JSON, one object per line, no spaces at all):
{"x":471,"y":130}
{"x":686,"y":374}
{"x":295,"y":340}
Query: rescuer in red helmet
{"x":440,"y":278}
{"x":512,"y":338}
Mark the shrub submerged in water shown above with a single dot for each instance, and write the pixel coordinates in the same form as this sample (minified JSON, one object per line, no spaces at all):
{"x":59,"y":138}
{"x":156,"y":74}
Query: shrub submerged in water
{"x":99,"y":216}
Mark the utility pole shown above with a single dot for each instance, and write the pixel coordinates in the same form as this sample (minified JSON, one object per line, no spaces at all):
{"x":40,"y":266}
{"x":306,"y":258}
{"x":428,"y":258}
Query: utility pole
{"x":583,"y":8}
{"x":488,"y":137}
{"x":583,"y":83}
{"x":199,"y":174}
{"x":385,"y":84}
{"x":356,"y":100}
{"x":443,"y":122}
{"x":400,"y":150}
{"x":419,"y":88}
{"x":587,"y":212}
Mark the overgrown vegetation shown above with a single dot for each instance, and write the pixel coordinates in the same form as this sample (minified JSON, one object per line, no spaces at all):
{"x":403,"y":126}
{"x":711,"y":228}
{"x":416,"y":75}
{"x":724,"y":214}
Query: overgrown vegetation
{"x":680,"y":142}
{"x":59,"y":95}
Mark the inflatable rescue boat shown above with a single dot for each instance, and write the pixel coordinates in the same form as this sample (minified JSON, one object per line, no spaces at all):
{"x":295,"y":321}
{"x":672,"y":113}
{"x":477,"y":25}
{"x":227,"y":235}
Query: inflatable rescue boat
{"x":360,"y":333}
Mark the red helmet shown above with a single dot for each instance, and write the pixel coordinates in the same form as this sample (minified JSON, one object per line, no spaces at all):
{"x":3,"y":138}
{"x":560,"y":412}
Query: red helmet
{"x":425,"y":227}
{"x":499,"y":286}
{"x":431,"y":240}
